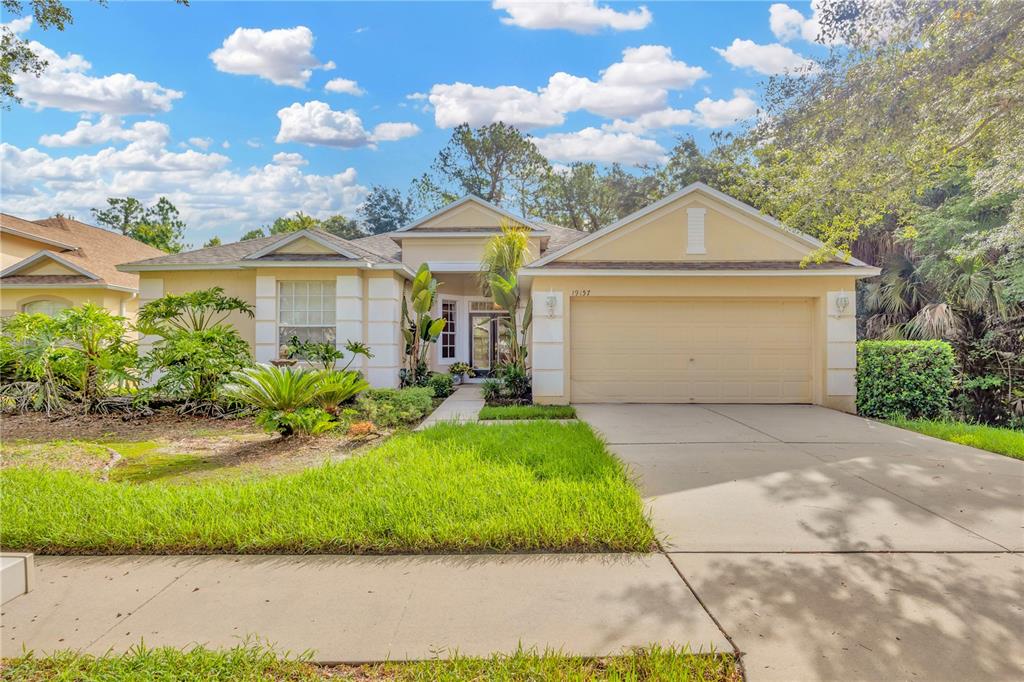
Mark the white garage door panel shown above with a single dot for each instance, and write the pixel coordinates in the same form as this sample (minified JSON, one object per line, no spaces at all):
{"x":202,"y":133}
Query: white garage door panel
{"x":677,"y":350}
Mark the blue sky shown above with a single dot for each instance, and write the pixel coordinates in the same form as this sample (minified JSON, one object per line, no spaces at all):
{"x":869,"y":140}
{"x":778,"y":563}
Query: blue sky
{"x":224,"y":107}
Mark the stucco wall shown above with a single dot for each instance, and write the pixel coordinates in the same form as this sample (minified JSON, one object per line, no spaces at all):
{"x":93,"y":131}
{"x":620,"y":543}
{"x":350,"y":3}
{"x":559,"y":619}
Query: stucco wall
{"x":14,"y":248}
{"x":661,"y":236}
{"x":833,"y":338}
{"x":13,"y":300}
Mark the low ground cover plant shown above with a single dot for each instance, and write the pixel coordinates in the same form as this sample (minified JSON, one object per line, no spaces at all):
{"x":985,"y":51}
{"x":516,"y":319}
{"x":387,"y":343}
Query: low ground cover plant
{"x":294,"y":400}
{"x":450,"y":488}
{"x":1004,"y":441}
{"x":390,"y":407}
{"x":441,"y":384}
{"x":910,"y":379}
{"x":254,"y":662}
{"x":510,"y":385}
{"x":489,"y":412}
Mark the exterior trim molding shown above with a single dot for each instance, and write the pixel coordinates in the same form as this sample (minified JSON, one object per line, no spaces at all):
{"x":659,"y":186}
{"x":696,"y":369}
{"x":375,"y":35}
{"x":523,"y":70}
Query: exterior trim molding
{"x":865,"y":271}
{"x":39,"y":255}
{"x":689,"y":189}
{"x":295,"y":236}
{"x":37,"y":238}
{"x":98,"y":285}
{"x":471,"y":198}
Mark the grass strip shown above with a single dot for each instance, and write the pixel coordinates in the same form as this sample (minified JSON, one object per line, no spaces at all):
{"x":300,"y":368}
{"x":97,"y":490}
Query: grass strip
{"x":250,"y":663}
{"x":490,"y":412}
{"x":1009,"y":442}
{"x":537,"y":486}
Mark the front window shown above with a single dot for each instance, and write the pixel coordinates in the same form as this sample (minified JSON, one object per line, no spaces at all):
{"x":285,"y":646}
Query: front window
{"x":307,"y":310}
{"x":448,"y":333}
{"x":46,"y":307}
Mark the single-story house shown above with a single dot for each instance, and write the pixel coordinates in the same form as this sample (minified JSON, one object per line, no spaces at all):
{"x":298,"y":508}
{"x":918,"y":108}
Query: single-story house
{"x":695,"y":298}
{"x":52,"y":264}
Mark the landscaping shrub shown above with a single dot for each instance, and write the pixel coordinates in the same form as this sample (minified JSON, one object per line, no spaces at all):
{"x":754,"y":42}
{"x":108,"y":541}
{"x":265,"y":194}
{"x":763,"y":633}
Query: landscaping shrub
{"x":912,"y":379}
{"x":195,"y":365}
{"x":394,"y":406}
{"x":441,"y":384}
{"x":339,"y":387}
{"x":66,"y":363}
{"x":311,"y":421}
{"x":510,"y":386}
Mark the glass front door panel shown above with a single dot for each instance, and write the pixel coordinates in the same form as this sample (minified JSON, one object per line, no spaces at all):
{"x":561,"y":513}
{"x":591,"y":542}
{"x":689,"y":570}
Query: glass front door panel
{"x":481,"y":342}
{"x":502,"y":352}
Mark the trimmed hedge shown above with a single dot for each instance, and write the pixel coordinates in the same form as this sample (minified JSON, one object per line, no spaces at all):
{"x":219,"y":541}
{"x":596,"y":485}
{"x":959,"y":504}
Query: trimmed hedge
{"x":911,"y":379}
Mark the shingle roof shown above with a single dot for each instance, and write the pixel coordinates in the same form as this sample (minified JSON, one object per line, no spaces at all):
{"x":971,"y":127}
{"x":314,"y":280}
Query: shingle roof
{"x":382,"y":244}
{"x":97,"y":250}
{"x":694,"y":265}
{"x":232,"y":253}
{"x":561,"y":236}
{"x":48,"y":279}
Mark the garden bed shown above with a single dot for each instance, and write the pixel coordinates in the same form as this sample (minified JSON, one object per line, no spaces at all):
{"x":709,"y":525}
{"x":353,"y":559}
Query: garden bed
{"x":470,"y":488}
{"x":491,"y":412}
{"x":258,"y":663}
{"x":1009,"y":442}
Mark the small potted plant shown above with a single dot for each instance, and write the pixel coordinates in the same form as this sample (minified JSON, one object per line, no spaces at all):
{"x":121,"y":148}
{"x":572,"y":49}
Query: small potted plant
{"x":459,"y":371}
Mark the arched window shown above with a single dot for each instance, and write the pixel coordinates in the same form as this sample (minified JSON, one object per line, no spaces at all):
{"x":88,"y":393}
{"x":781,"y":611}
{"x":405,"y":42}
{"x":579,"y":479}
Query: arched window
{"x":47,"y":306}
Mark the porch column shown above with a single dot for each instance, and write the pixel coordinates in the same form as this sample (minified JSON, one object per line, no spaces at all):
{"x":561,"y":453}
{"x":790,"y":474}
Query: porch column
{"x":348,"y":322}
{"x":841,"y":349}
{"x":150,"y":289}
{"x":548,"y":345}
{"x":384,"y":312}
{"x":266,"y":341}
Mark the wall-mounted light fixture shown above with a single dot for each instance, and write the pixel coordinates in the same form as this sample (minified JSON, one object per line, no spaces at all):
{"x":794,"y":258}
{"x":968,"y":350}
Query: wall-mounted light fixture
{"x":842,"y":302}
{"x":551,"y":302}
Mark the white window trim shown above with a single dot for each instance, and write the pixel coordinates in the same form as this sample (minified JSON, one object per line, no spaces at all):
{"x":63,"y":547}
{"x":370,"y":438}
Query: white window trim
{"x":278,"y":311}
{"x":441,"y":300}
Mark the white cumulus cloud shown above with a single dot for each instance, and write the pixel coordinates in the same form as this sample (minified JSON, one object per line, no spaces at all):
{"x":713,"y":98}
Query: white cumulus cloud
{"x":209,"y":193}
{"x":653,"y":120}
{"x":201,"y":142}
{"x":108,"y":129}
{"x":637,"y":84}
{"x":718,"y":113}
{"x":344,"y":86}
{"x":290,"y":159}
{"x":390,"y":132}
{"x":602,"y":146}
{"x":789,"y":24}
{"x":65,"y":84}
{"x":770,"y":60}
{"x":579,"y":16}
{"x":315,"y":123}
{"x":283,"y":56}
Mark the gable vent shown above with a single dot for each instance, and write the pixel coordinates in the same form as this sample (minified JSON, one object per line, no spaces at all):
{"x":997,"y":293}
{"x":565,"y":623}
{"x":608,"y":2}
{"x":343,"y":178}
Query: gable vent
{"x":695,"y":230}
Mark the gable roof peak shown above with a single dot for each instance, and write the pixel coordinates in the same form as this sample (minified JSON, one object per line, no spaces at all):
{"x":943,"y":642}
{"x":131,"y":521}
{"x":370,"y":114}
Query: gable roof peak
{"x":472,"y":198}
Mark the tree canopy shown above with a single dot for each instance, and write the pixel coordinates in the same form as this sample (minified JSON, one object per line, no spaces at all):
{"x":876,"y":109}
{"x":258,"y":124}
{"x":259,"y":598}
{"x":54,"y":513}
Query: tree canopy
{"x":159,"y":225}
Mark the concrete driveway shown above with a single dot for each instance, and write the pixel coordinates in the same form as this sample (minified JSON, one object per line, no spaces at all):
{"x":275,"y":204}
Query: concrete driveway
{"x":833,"y":547}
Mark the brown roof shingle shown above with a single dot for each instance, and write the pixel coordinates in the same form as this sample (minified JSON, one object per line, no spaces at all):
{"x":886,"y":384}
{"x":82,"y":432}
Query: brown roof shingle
{"x":96,"y":250}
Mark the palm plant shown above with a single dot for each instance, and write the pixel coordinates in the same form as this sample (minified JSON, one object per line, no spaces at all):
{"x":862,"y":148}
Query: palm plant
{"x":504,"y":255}
{"x":268,"y":387}
{"x":336,"y":388}
{"x":419,"y":328}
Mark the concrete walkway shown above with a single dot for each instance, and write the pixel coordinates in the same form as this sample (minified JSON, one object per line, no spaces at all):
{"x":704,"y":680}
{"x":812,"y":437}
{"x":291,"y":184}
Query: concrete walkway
{"x":353,"y":609}
{"x":831,"y":547}
{"x":461,"y":406}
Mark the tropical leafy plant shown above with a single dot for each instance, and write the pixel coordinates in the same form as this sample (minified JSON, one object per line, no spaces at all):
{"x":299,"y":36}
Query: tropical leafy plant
{"x":420,"y":330}
{"x":504,"y":255}
{"x":194,"y":311}
{"x":340,"y":387}
{"x":327,"y":354}
{"x":461,"y":369}
{"x":311,"y":421}
{"x":194,"y":365}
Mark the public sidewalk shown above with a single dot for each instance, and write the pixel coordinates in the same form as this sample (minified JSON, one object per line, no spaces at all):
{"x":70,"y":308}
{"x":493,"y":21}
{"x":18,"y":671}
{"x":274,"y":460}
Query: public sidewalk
{"x":354,"y":609}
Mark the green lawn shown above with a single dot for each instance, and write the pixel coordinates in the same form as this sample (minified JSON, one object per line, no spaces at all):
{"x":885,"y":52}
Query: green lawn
{"x":450,"y":488}
{"x":489,"y":412}
{"x":1007,"y":442}
{"x":248,"y":663}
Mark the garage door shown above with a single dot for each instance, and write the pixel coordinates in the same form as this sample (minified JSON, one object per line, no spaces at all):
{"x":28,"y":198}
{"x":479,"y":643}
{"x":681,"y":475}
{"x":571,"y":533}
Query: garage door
{"x":684,"y":350}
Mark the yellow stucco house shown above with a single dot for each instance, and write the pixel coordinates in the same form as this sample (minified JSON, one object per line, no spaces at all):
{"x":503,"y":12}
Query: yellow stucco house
{"x":47,"y":265}
{"x":696,"y":298}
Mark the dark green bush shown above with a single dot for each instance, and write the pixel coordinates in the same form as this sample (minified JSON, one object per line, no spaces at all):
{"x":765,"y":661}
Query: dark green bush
{"x":912,"y":379}
{"x":394,"y":406}
{"x":441,"y":384}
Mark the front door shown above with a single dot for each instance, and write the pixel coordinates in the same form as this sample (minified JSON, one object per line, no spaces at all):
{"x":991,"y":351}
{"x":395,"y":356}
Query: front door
{"x":488,"y":342}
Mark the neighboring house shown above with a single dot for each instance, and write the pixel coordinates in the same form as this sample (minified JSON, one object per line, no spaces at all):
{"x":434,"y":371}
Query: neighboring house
{"x":52,"y":264}
{"x":696,"y":298}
